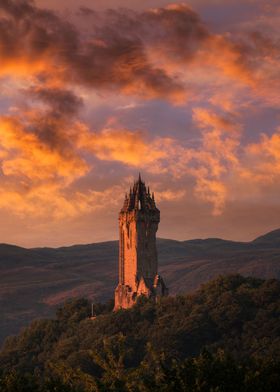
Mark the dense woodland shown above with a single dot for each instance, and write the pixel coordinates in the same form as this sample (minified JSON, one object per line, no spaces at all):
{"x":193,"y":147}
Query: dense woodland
{"x":225,"y":337}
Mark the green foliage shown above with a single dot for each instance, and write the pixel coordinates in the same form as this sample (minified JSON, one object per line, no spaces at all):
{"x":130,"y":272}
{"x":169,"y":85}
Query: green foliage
{"x":177,"y":344}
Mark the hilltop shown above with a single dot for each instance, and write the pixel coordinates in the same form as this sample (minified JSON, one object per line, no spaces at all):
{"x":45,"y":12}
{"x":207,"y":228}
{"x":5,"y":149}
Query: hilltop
{"x":226,"y":336}
{"x":35,"y":281}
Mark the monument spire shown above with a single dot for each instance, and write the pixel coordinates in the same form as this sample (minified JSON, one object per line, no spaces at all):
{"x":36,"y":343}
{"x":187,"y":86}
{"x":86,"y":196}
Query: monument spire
{"x":138,"y":263}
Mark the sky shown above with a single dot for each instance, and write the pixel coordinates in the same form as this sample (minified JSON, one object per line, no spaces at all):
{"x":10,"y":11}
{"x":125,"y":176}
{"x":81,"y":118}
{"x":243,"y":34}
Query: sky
{"x":92,"y":93}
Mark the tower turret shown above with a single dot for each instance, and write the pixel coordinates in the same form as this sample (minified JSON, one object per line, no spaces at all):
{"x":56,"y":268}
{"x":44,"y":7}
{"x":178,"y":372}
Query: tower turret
{"x":138,"y":263}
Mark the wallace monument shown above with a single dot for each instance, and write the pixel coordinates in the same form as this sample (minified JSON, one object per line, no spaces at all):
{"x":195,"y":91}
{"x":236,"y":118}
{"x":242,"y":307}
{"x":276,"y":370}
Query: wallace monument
{"x":138,"y":264}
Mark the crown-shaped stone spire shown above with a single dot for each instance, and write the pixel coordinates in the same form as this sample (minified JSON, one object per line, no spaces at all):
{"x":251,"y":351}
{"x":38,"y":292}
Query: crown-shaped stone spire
{"x":139,"y":198}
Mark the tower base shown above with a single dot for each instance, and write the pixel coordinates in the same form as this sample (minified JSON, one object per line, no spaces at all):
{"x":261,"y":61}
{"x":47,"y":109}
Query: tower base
{"x":126,"y":297}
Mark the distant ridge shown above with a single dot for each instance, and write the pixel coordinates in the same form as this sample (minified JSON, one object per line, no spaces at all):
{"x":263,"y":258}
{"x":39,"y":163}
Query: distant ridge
{"x":34,"y":281}
{"x":273,"y":237}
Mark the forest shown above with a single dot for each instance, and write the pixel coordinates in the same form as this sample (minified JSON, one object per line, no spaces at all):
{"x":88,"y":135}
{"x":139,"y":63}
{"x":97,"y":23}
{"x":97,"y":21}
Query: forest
{"x":224,"y":337}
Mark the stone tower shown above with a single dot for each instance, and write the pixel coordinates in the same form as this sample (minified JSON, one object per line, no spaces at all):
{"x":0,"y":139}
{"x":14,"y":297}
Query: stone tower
{"x":138,"y":264}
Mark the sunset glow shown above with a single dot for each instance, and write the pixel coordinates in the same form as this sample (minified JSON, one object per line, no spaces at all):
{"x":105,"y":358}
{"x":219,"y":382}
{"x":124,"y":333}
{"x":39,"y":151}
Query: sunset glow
{"x":186,"y":93}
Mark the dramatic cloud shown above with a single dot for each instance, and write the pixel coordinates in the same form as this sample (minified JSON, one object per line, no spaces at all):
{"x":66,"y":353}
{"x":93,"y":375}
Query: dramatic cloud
{"x":220,"y":140}
{"x":50,"y":201}
{"x":61,"y":102}
{"x":143,"y":54}
{"x":122,"y":145}
{"x":51,"y":148}
{"x":35,"y":41}
{"x":89,"y":97}
{"x":27,"y":156}
{"x":264,"y":158}
{"x":43,"y":153}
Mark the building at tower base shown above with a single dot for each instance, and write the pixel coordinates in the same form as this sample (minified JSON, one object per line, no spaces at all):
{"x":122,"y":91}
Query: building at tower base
{"x":138,"y":264}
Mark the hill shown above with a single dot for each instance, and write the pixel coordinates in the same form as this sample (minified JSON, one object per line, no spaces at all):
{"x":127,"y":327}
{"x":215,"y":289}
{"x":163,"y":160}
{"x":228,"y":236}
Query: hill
{"x":224,"y":337}
{"x":35,"y":281}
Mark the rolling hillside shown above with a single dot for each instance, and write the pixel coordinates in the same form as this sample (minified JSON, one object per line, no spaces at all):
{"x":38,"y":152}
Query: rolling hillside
{"x":35,"y":281}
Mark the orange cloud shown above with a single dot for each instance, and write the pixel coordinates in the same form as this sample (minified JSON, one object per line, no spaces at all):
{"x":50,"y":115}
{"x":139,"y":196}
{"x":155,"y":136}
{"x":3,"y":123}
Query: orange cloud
{"x":230,"y":58}
{"x":168,"y":53}
{"x":153,"y":62}
{"x":169,"y":194}
{"x":29,"y":157}
{"x":161,"y":58}
{"x":263,"y":160}
{"x":210,"y":164}
{"x":50,"y":146}
{"x":218,"y":155}
{"x":38,"y":43}
{"x":23,"y":67}
{"x":213,"y":192}
{"x":39,"y":175}
{"x":52,"y":201}
{"x":225,"y":123}
{"x":42,"y":156}
{"x":121,"y":145}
